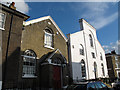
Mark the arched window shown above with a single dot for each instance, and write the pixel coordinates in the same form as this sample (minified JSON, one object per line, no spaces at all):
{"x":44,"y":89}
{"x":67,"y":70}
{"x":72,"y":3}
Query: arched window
{"x":101,"y":58}
{"x":91,"y":40}
{"x":83,"y":68}
{"x":95,"y":69}
{"x":29,"y":63}
{"x":103,"y":69}
{"x":81,"y":49}
{"x":48,"y":38}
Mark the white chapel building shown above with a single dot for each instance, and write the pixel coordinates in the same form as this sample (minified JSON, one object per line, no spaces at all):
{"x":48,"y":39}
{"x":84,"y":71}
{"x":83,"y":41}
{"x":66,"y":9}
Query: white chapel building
{"x":86,"y":55}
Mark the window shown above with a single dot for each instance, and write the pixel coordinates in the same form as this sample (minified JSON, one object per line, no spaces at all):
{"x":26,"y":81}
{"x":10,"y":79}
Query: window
{"x":83,"y":68}
{"x":48,"y":38}
{"x":29,"y":63}
{"x":93,"y":54}
{"x":103,"y":69}
{"x":116,"y":57}
{"x":95,"y":69}
{"x":91,"y":40}
{"x":2,"y":20}
{"x":81,"y":49}
{"x":101,"y":58}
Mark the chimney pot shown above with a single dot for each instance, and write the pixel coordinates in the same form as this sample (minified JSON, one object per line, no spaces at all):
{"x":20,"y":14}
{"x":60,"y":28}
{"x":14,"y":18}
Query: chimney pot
{"x":12,"y":5}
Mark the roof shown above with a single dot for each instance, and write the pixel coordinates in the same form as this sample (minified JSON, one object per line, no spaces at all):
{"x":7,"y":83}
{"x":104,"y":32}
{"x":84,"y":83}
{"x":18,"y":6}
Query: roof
{"x":53,"y":53}
{"x":49,"y":55}
{"x":45,"y":18}
{"x":110,"y":54}
{"x":13,"y":11}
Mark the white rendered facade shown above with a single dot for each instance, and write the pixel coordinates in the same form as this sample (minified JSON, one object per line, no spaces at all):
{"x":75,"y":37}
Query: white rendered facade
{"x":95,"y":66}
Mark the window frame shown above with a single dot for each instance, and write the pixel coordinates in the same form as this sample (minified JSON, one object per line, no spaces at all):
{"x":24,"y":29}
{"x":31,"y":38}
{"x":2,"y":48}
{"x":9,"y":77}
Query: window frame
{"x":93,"y":55}
{"x":45,"y":40}
{"x":101,"y":57}
{"x":91,"y":40}
{"x":103,"y":70}
{"x":83,"y":68}
{"x":2,"y":28}
{"x":81,"y":50}
{"x":29,"y":66}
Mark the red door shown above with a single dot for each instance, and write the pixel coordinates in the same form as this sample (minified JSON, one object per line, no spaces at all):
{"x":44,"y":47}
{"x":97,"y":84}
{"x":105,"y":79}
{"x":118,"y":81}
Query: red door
{"x":57,"y":76}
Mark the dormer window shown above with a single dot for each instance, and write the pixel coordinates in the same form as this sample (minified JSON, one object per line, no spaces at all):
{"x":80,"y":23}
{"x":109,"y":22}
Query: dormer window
{"x":2,"y":20}
{"x":91,"y":40}
{"x":48,"y":40}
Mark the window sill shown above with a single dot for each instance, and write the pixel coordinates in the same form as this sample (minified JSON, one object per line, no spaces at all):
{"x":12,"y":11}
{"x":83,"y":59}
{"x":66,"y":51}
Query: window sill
{"x":29,"y":76}
{"x":117,"y":68}
{"x":2,"y":28}
{"x":48,"y":47}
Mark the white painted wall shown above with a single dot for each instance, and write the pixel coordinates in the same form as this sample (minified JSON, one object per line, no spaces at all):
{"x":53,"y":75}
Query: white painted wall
{"x":82,"y":37}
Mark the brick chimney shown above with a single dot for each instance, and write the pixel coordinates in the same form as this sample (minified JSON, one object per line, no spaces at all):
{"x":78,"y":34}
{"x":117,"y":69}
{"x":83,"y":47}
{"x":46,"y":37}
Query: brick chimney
{"x":12,"y":5}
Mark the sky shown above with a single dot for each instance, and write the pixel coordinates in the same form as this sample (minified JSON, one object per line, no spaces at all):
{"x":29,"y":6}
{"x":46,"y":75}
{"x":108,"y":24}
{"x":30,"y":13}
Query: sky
{"x":101,"y":15}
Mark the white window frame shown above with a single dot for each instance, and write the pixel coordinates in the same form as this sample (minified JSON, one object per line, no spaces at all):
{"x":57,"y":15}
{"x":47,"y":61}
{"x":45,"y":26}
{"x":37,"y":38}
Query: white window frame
{"x":91,"y":40}
{"x":29,"y":67}
{"x":103,"y":70}
{"x":93,"y":55}
{"x":2,"y":28}
{"x":101,"y":57}
{"x":116,"y":58}
{"x":81,"y":50}
{"x":83,"y":67}
{"x":45,"y":44}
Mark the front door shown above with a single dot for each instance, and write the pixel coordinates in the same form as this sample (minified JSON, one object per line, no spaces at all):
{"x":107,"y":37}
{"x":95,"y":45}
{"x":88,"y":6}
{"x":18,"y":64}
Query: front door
{"x":57,"y":76}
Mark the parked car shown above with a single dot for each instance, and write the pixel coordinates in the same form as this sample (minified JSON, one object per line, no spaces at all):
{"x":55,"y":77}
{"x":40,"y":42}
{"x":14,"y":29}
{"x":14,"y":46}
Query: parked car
{"x":116,"y":85}
{"x":96,"y":85}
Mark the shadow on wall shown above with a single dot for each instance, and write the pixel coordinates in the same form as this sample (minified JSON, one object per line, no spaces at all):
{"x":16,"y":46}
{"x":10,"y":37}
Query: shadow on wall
{"x":10,"y":69}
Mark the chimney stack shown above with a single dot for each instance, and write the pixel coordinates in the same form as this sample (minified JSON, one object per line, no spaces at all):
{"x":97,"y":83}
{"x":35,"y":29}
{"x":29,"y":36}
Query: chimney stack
{"x":113,"y":52}
{"x":12,"y":5}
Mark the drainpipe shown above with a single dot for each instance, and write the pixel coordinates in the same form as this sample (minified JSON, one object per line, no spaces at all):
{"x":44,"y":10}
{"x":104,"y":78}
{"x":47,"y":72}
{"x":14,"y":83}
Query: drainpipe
{"x":6,"y":58}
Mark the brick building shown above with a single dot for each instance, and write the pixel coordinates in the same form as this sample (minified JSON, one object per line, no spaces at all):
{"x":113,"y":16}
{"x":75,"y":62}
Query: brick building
{"x":113,"y":65}
{"x":44,"y":54}
{"x":11,"y":23}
